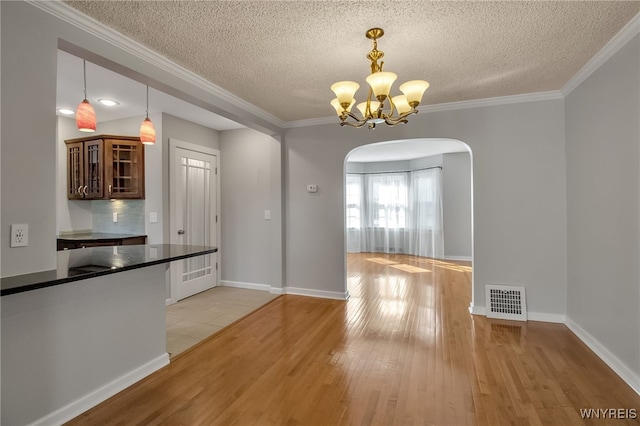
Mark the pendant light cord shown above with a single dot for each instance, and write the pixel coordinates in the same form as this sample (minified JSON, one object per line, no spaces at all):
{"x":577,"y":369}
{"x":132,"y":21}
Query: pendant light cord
{"x":84,"y":71}
{"x":147,"y":110}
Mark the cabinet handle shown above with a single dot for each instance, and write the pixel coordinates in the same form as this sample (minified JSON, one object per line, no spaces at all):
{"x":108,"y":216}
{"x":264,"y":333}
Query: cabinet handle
{"x":84,"y":191}
{"x":180,"y":231}
{"x":109,"y":189}
{"x":80,"y":190}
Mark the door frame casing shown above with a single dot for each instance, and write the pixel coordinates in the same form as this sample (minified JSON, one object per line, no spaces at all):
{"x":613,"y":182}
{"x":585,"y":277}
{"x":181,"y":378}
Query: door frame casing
{"x":173,"y":145}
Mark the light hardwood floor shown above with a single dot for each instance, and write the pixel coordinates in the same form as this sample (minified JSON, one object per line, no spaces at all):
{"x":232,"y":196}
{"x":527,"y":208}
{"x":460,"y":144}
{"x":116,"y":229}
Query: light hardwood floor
{"x":402,"y":350}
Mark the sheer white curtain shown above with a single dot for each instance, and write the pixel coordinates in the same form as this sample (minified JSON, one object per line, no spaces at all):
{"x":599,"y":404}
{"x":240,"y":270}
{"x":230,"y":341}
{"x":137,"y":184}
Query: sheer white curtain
{"x":395,"y":213}
{"x":425,"y":203}
{"x":354,"y":203}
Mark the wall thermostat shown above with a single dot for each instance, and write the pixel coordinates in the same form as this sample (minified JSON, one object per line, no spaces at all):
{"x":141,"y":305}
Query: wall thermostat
{"x":312,"y":188}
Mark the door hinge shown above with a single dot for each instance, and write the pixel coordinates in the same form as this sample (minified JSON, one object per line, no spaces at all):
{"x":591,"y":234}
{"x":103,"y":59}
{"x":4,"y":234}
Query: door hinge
{"x":216,"y":218}
{"x":216,"y":170}
{"x":216,"y":266}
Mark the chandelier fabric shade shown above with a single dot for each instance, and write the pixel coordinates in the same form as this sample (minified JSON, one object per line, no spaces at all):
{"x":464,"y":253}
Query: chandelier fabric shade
{"x":147,"y":131}
{"x":85,"y":114}
{"x":380,"y":106}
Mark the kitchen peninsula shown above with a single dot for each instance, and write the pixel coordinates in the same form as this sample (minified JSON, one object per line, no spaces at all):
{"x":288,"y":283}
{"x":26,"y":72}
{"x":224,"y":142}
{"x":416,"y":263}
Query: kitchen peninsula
{"x":78,"y":334}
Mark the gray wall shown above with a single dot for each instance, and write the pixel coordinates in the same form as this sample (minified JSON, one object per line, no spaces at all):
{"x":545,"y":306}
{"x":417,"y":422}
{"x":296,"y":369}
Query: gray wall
{"x":603,"y":206}
{"x":250,"y":184}
{"x":519,"y":197}
{"x":456,"y":205}
{"x":28,"y":144}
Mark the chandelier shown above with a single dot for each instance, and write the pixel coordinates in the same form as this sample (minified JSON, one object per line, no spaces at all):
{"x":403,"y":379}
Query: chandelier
{"x":375,"y":110}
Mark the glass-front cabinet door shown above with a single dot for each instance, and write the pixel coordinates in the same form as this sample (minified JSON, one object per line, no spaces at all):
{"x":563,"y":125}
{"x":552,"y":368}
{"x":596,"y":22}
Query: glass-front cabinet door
{"x":75,"y":170}
{"x":93,"y":173}
{"x":125,"y":171}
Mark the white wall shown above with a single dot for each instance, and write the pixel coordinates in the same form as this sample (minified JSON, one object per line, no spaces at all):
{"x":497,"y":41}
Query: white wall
{"x":603,"y":209}
{"x":519,"y":198}
{"x":250,"y":184}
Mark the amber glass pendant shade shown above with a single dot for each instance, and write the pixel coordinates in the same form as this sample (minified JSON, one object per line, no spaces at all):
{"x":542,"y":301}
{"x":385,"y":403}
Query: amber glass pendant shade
{"x":147,"y":132}
{"x":86,"y":117}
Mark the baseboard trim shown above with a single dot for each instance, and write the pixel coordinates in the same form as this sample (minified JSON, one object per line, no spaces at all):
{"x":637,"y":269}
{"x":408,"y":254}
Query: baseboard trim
{"x":477,"y":310}
{"x":79,"y":406}
{"x":546,"y":317}
{"x":465,"y":258}
{"x":625,"y":373}
{"x":249,"y":286}
{"x":317,"y":293}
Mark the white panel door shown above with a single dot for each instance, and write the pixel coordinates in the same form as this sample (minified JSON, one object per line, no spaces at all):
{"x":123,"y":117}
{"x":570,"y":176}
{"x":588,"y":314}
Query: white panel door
{"x":194,"y":209}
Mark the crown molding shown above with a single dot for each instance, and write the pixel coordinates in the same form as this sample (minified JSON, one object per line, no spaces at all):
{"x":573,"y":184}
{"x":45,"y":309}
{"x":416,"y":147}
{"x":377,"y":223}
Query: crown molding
{"x":451,"y":106}
{"x":616,"y":43}
{"x":497,"y":101}
{"x":85,"y":23}
{"x":311,"y":122}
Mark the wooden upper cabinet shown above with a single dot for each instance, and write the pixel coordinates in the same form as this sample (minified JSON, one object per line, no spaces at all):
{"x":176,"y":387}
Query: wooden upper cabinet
{"x":105,"y":167}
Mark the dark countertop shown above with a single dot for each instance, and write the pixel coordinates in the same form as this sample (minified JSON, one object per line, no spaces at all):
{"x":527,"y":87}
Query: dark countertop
{"x":96,"y":236}
{"x":80,"y":264}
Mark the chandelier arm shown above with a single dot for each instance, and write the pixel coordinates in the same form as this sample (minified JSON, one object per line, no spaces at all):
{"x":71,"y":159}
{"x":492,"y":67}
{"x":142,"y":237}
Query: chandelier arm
{"x":392,"y":122}
{"x":352,"y":124}
{"x":400,"y":119}
{"x":392,"y":107}
{"x":358,"y":122}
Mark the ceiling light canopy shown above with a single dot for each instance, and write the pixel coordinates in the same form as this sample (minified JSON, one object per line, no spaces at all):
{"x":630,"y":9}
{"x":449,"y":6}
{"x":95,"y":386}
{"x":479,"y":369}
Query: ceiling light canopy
{"x":379,"y":107}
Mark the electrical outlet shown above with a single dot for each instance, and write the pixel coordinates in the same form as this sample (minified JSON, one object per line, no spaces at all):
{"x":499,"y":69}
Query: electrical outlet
{"x":19,"y":235}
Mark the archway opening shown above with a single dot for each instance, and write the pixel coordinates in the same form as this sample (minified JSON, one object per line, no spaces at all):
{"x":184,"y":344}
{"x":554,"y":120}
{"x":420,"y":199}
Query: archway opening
{"x":408,"y":206}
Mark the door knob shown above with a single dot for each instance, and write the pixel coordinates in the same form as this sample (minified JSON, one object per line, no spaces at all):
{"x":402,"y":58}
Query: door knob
{"x":180,"y":231}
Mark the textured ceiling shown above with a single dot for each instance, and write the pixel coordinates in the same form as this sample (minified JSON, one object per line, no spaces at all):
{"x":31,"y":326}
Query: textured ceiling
{"x":283,"y":56}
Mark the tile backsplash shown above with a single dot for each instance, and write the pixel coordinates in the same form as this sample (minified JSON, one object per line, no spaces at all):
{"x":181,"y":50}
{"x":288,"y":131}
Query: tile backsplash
{"x":130,"y":216}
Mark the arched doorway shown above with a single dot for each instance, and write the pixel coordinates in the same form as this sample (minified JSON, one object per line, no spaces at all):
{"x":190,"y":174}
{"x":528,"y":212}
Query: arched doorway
{"x":389,"y":186}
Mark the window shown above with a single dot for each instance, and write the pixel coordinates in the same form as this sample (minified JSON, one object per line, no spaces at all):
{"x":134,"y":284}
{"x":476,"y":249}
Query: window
{"x":398,"y":212}
{"x":388,"y":195}
{"x":353,"y":204}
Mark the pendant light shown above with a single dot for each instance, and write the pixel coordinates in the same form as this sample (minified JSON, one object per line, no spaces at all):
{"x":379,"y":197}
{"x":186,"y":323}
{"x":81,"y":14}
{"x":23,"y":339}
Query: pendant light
{"x":147,"y":131}
{"x":85,"y":114}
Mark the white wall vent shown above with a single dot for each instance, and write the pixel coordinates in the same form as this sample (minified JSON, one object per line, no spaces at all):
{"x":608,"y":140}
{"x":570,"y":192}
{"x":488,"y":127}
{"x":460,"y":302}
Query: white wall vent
{"x":506,"y":302}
